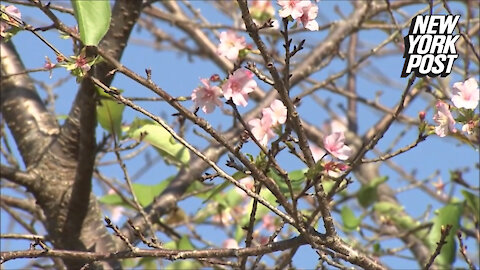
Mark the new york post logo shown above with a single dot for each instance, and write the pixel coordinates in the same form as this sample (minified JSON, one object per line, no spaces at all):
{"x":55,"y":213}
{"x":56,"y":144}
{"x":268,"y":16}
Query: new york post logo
{"x":430,"y":46}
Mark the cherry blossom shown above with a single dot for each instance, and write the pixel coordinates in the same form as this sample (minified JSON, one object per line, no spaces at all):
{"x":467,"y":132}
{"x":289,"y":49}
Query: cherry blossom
{"x":335,"y":145}
{"x":12,"y":11}
{"x":223,"y":218}
{"x":335,"y":169}
{"x":308,"y":17}
{"x":49,"y":65}
{"x":317,"y":152}
{"x":268,"y":223}
{"x":206,"y":96}
{"x":335,"y":125}
{"x":238,"y":85}
{"x":444,"y":119}
{"x":294,"y":8}
{"x":116,"y":212}
{"x":261,"y":9}
{"x":230,"y":45}
{"x":230,"y":243}
{"x":249,"y":184}
{"x":439,"y":185}
{"x":262,"y":129}
{"x":277,"y":111}
{"x":469,"y":127}
{"x":81,"y":62}
{"x":466,"y":94}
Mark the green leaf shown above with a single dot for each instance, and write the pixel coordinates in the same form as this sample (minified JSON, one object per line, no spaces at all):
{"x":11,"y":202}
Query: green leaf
{"x":207,"y":196}
{"x":394,"y":212}
{"x":185,"y":244}
{"x":473,"y":202}
{"x":170,"y":245}
{"x":387,"y":208}
{"x":297,"y":175}
{"x":216,"y":191}
{"x":145,"y":193}
{"x":239,"y":233}
{"x":148,"y":263}
{"x":367,"y":194}
{"x":163,"y":141}
{"x":377,"y":248}
{"x":110,"y":113}
{"x":112,"y":199}
{"x":184,"y":264}
{"x":93,"y":19}
{"x":129,"y":263}
{"x":449,"y":214}
{"x":350,"y":222}
{"x":297,"y":178}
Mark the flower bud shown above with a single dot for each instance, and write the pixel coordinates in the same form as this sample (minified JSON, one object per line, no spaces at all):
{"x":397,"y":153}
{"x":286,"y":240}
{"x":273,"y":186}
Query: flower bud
{"x":215,"y":78}
{"x":421,"y":115}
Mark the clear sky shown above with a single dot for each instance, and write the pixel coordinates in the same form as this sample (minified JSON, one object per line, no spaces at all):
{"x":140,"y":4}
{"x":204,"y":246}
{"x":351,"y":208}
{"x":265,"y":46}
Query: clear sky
{"x":179,"y":76}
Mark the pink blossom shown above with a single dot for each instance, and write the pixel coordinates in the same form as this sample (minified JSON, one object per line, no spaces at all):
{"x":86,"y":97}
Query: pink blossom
{"x":292,"y":8}
{"x":263,"y":240}
{"x":116,"y":211}
{"x":317,"y":152}
{"x":206,"y":96}
{"x":334,"y":169}
{"x":262,"y":129}
{"x":81,"y":62}
{"x":230,"y":45}
{"x":335,"y":145}
{"x":49,"y":65}
{"x":238,"y":85}
{"x":223,"y":218}
{"x":439,"y":185}
{"x":277,"y":111}
{"x":248,"y":183}
{"x":469,"y":127}
{"x":466,"y":94}
{"x":261,"y":8}
{"x":421,"y":115}
{"x":268,"y":223}
{"x":444,"y":119}
{"x":11,"y":11}
{"x":230,"y":243}
{"x":335,"y":125}
{"x":261,"y":11}
{"x":308,"y":17}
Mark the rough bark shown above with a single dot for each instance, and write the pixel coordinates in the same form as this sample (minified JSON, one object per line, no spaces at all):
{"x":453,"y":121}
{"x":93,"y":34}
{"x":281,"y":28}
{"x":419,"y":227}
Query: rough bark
{"x":62,"y":159}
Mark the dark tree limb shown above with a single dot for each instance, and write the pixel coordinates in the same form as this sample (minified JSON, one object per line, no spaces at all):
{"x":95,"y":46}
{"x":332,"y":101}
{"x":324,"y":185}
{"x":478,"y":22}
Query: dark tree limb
{"x":32,"y":126}
{"x":62,"y":161}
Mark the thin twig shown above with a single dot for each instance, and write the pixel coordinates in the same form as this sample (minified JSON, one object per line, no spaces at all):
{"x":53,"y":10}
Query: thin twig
{"x":445,"y":230}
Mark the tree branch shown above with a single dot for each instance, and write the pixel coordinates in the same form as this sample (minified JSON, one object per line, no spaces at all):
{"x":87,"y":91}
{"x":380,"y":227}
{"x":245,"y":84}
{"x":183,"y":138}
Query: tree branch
{"x":32,"y":126}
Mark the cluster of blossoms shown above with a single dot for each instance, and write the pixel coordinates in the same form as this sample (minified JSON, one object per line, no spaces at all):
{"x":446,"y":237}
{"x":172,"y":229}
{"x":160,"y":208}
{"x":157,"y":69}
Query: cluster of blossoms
{"x":304,"y":11}
{"x":232,"y":45}
{"x":334,"y":143}
{"x":262,"y":11}
{"x":465,"y":98}
{"x":7,"y":19}
{"x":262,"y":128}
{"x":236,"y":87}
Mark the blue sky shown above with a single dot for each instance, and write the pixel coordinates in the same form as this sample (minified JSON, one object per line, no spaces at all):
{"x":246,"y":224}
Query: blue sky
{"x":179,"y":76}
